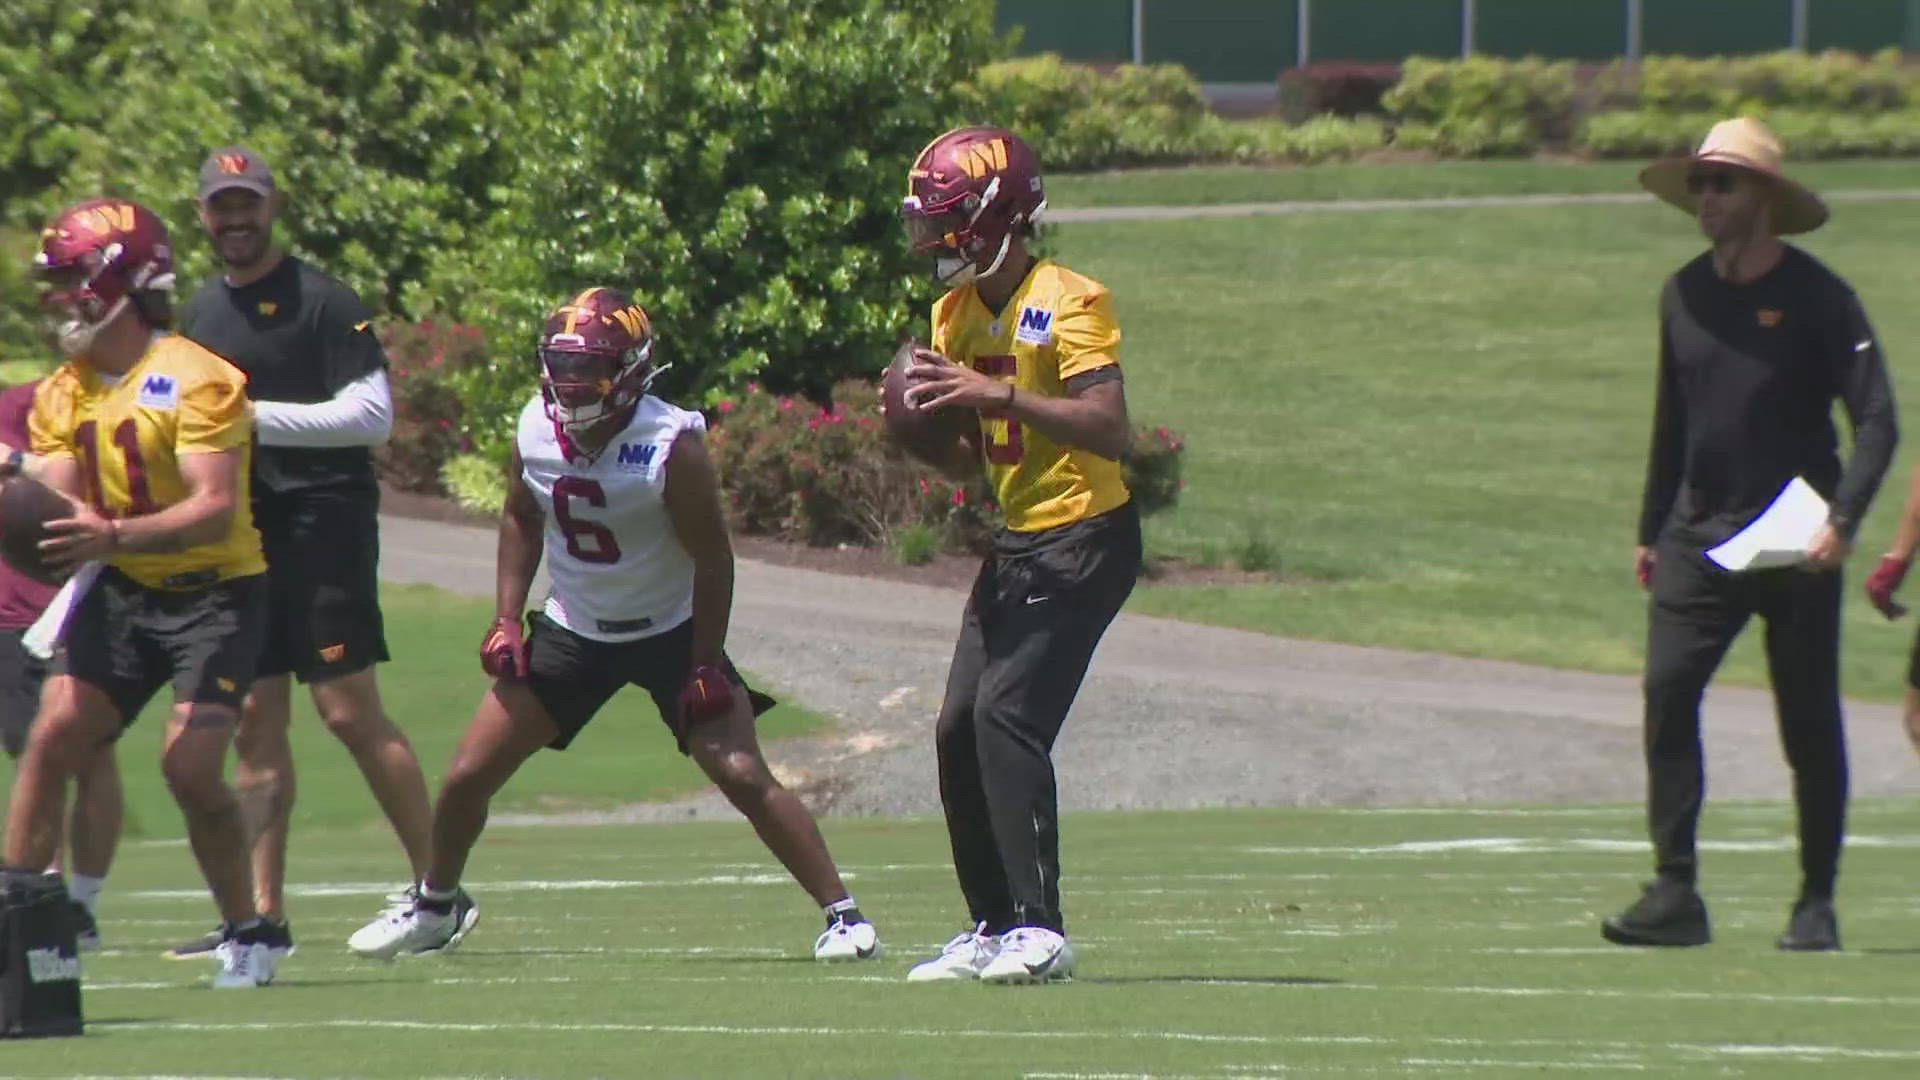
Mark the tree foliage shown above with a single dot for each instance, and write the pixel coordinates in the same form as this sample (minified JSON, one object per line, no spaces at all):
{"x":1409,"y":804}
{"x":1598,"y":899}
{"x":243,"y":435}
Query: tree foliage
{"x":737,"y":166}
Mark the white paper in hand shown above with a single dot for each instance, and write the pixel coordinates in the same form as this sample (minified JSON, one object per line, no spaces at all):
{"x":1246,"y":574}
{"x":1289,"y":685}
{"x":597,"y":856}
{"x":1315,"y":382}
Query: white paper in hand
{"x":1780,"y":535}
{"x":46,"y":631}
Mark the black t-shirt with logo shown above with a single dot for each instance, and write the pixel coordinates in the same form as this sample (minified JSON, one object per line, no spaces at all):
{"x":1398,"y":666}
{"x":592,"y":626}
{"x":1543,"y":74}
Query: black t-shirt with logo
{"x":1749,"y":373}
{"x":300,"y":336}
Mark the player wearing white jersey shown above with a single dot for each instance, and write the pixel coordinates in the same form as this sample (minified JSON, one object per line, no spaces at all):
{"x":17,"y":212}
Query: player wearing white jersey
{"x":617,"y":487}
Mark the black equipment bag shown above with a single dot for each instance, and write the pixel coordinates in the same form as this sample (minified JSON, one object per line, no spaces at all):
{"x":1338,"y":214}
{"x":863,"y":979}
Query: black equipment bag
{"x":39,"y":957}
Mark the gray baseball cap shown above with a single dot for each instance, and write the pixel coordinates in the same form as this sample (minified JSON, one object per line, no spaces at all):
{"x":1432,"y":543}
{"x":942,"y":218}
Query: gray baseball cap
{"x":235,"y":167}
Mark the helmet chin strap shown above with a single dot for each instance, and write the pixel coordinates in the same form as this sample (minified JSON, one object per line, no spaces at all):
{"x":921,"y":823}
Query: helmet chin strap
{"x":955,"y":271}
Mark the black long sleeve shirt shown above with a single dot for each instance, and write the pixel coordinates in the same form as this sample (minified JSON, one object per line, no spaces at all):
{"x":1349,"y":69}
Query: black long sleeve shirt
{"x":1748,"y":376}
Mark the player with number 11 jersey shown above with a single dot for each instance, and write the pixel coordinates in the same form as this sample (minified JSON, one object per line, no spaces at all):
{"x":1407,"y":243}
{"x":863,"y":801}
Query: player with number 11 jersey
{"x":615,"y":488}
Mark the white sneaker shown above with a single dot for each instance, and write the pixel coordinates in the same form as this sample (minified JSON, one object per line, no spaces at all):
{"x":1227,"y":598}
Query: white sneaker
{"x":243,"y":964}
{"x":1030,"y":954}
{"x":843,"y":940}
{"x":962,"y":958}
{"x":406,"y":927}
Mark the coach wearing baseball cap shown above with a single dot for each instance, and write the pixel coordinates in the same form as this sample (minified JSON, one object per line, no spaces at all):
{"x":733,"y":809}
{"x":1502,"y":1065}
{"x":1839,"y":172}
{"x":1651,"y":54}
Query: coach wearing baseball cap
{"x":318,"y":378}
{"x":1757,"y":341}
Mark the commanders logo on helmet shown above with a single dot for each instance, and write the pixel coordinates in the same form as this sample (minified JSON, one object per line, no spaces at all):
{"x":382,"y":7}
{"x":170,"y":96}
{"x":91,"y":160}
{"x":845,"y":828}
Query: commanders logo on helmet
{"x":595,"y":357}
{"x":97,"y":257}
{"x":969,"y":193}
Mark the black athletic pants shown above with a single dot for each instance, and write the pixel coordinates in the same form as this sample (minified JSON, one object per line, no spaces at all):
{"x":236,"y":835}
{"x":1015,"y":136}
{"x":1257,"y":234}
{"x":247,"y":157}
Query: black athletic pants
{"x":1697,"y":610}
{"x":1037,"y":610}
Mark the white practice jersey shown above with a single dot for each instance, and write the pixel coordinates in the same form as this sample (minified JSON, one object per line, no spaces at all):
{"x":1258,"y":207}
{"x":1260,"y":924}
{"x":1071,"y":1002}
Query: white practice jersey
{"x":618,"y":572}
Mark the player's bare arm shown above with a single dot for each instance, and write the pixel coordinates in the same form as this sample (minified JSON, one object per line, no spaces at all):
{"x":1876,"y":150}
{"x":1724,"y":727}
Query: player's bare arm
{"x":212,"y":480}
{"x":517,"y":556}
{"x":62,"y":474}
{"x":1886,"y":577}
{"x":693,"y":505}
{"x":1093,"y":418}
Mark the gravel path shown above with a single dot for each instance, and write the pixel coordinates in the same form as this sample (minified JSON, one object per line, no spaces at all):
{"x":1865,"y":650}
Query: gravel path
{"x":1177,"y":715}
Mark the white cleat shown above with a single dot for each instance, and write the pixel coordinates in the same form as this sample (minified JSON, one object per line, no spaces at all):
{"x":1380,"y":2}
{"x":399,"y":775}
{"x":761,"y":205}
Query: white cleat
{"x":243,"y":964}
{"x":405,"y":928}
{"x":843,"y":940}
{"x":961,"y":959}
{"x":1030,"y":954}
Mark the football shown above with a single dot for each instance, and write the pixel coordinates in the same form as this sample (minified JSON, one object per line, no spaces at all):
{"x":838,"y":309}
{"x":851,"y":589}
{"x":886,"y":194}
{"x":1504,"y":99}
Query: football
{"x":25,"y":508}
{"x":925,"y":433}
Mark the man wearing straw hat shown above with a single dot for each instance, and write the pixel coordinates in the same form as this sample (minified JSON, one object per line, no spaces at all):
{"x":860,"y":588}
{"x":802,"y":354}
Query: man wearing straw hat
{"x":1757,"y":339}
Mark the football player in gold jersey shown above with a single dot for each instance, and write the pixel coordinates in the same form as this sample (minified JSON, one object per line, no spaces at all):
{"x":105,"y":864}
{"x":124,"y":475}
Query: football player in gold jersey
{"x":149,"y":435}
{"x":1034,"y":348}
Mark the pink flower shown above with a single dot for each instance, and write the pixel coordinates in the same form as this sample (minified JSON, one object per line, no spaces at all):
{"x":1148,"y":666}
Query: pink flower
{"x":1161,"y":431}
{"x":725,"y":406}
{"x":753,"y":388}
{"x":1174,"y":445}
{"x":959,"y":497}
{"x":446,"y":425}
{"x":434,"y":360}
{"x":402,"y":372}
{"x":786,"y":403}
{"x":923,"y":487}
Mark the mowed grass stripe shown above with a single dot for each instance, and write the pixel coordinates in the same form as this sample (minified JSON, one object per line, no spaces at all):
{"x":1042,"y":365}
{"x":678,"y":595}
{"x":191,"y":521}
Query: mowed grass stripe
{"x":1437,"y":422}
{"x":1317,"y":964}
{"x":1213,"y":185}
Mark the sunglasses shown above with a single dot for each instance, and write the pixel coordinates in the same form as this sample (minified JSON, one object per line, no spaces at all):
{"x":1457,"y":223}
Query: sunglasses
{"x":1720,"y":183}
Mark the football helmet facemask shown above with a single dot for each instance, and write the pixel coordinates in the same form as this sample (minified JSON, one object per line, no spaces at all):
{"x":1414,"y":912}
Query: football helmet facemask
{"x":95,"y":258}
{"x":968,"y":194}
{"x":595,"y":357}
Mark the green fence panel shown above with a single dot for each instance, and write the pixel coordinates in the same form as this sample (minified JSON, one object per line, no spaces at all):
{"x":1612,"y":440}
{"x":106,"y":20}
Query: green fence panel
{"x":1222,"y":40}
{"x":1389,"y":30}
{"x":1099,"y":31}
{"x":1571,"y":29}
{"x":1861,"y":25}
{"x":1717,"y":27}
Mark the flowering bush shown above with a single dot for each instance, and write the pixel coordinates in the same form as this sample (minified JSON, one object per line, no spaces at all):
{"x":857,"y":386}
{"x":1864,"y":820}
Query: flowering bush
{"x":427,"y":411}
{"x":823,"y":476}
{"x":1153,"y":468}
{"x":792,"y":469}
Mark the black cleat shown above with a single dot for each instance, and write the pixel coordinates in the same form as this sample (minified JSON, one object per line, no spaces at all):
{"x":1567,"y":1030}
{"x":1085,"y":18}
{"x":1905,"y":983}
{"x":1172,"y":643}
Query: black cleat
{"x":1668,"y":913}
{"x":1812,"y":927}
{"x":195,"y":948}
{"x":277,"y":936}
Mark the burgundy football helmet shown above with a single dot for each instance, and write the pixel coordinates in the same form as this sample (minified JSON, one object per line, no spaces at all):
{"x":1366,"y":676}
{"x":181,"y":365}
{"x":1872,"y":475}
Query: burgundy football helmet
{"x":94,"y":259}
{"x":968,"y":193}
{"x":595,"y":358}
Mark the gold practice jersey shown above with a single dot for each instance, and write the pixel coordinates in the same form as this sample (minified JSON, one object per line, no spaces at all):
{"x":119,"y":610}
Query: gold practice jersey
{"x":1057,"y":325}
{"x":129,"y":436}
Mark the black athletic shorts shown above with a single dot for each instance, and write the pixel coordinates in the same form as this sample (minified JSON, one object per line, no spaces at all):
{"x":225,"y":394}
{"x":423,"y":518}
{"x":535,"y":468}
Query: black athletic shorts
{"x":323,"y":581}
{"x":574,"y":676}
{"x":21,"y":674}
{"x":130,"y":640}
{"x":1038,"y":609}
{"x":1913,"y":664}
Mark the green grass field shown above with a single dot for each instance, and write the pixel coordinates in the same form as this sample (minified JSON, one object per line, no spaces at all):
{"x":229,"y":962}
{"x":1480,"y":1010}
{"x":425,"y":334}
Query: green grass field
{"x":1438,"y":418}
{"x":431,"y":690}
{"x":1426,"y":180}
{"x":1216,"y":945}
